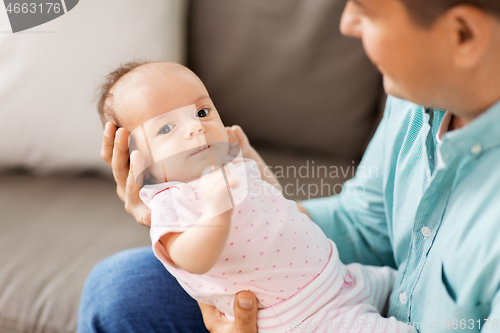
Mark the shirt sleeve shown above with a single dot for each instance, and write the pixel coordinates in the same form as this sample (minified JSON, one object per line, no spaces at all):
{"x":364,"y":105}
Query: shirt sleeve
{"x":492,"y":324}
{"x":356,"y":218}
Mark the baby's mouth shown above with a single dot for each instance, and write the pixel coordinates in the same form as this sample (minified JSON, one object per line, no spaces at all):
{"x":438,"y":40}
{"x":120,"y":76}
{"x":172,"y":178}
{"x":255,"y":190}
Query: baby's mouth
{"x":200,"y":149}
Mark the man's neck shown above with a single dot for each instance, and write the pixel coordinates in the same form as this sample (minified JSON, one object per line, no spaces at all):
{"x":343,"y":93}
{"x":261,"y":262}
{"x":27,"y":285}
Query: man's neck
{"x":457,"y":122}
{"x":471,"y":106}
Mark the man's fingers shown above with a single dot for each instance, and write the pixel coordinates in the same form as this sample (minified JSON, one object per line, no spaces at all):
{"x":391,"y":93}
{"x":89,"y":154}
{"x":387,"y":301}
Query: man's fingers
{"x":209,"y":313}
{"x":232,"y":136}
{"x":240,"y":135}
{"x":133,"y":203}
{"x":108,"y":141}
{"x":141,"y":212}
{"x":146,"y":216}
{"x":130,"y":193}
{"x":137,"y":166}
{"x":119,"y":163}
{"x":215,"y":321}
{"x":245,"y":313}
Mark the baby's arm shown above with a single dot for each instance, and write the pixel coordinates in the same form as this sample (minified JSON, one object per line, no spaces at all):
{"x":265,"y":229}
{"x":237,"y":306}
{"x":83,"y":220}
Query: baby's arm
{"x":197,"y":249}
{"x":236,"y":135}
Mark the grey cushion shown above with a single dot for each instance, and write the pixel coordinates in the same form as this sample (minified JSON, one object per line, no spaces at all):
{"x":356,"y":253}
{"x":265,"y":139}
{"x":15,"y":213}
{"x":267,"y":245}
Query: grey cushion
{"x":282,"y":71}
{"x":305,"y":176}
{"x":53,"y":231}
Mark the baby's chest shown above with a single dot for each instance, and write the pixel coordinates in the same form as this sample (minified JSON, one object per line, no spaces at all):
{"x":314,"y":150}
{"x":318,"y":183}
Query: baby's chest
{"x":272,"y":243}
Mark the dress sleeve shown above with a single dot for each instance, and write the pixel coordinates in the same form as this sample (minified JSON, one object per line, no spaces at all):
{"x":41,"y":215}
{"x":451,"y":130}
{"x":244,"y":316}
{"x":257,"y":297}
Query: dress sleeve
{"x":356,"y":218}
{"x":172,"y":210}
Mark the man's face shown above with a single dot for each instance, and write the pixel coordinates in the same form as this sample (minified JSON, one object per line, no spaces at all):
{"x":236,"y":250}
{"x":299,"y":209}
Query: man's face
{"x":173,"y":115}
{"x":412,"y":59}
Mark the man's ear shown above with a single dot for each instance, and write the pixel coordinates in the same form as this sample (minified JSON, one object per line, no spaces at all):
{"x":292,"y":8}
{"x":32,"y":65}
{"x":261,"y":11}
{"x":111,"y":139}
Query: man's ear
{"x":470,"y":32}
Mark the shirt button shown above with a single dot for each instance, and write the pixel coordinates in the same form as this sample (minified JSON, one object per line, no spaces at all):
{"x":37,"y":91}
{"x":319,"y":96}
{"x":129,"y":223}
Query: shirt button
{"x":426,"y":232}
{"x":476,"y":149}
{"x":402,"y":298}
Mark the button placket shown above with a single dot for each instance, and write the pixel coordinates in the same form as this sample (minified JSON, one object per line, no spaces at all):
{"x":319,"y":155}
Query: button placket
{"x":402,"y":298}
{"x":476,"y":149}
{"x":426,"y":231}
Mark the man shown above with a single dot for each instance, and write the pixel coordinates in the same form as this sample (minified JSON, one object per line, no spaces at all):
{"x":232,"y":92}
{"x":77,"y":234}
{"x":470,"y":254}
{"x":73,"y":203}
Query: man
{"x":433,"y":210}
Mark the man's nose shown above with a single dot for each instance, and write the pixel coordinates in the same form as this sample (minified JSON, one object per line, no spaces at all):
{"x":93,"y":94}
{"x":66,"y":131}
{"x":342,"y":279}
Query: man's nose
{"x":350,"y":23}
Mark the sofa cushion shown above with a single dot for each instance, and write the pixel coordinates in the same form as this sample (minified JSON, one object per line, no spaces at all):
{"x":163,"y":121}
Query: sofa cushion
{"x":54,"y":230}
{"x":50,"y":73}
{"x":282,"y":70}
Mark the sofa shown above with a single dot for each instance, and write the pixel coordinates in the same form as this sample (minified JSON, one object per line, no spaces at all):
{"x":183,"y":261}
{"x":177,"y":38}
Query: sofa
{"x":307,"y":97}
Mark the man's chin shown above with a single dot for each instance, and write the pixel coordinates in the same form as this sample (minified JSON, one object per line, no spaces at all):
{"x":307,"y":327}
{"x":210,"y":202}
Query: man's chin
{"x":391,"y":89}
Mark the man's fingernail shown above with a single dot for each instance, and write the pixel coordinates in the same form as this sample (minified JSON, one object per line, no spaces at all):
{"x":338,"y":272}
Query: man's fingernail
{"x":245,"y":303}
{"x":106,"y":129}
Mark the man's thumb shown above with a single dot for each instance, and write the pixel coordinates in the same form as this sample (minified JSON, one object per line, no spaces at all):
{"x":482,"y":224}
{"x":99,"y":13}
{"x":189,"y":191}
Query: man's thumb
{"x":245,"y":312}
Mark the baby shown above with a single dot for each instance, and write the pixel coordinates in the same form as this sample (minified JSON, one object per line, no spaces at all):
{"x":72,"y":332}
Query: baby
{"x":220,"y":225}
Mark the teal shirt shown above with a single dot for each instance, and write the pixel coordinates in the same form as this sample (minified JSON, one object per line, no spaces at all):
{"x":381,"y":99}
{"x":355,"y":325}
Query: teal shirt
{"x":438,"y":226}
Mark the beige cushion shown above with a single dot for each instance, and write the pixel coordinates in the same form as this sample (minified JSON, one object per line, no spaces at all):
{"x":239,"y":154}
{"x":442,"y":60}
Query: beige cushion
{"x":282,"y":71}
{"x":49,"y":75}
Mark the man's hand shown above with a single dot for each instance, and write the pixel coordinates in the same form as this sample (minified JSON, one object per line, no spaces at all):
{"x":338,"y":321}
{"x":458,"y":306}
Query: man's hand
{"x":237,"y":136}
{"x":115,"y":152}
{"x":245,"y":315}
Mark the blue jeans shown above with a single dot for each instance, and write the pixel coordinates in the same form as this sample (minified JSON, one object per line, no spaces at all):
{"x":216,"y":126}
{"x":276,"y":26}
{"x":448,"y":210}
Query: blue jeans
{"x":132,"y":291}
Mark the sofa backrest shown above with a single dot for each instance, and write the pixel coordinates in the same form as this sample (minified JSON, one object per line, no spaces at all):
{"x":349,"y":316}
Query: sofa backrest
{"x":282,"y":70}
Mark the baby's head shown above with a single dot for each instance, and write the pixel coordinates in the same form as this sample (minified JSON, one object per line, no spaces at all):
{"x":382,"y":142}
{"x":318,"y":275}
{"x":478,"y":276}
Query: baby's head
{"x":172,"y":121}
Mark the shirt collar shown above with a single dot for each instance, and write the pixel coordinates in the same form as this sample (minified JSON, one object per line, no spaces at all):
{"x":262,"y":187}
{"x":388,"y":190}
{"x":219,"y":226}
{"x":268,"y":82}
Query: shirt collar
{"x":477,"y":137}
{"x":443,"y":127}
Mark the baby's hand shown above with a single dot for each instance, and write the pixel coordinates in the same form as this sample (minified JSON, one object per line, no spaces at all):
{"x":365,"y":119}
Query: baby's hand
{"x":215,"y":190}
{"x":237,"y":136}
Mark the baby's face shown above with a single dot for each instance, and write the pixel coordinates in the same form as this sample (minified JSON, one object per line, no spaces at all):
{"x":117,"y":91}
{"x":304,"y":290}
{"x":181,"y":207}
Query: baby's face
{"x":172,"y":114}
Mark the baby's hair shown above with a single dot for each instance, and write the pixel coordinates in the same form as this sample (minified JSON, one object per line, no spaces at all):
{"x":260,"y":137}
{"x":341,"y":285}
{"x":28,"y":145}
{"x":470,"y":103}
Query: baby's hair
{"x":105,"y":108}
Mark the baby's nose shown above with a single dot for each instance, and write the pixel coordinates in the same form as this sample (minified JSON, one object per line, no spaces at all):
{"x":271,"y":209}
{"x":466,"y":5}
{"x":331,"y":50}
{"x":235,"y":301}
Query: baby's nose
{"x":195,"y":131}
{"x":194,"y":128}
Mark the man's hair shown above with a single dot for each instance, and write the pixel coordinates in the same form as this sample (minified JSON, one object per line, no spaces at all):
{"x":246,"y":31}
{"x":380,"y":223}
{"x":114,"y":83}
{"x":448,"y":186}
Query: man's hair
{"x":426,"y":12}
{"x":104,"y":107}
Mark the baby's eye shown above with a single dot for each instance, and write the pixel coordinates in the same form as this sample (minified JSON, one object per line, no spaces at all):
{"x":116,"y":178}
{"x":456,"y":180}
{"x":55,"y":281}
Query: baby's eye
{"x":202,"y":113}
{"x":165,"y":129}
